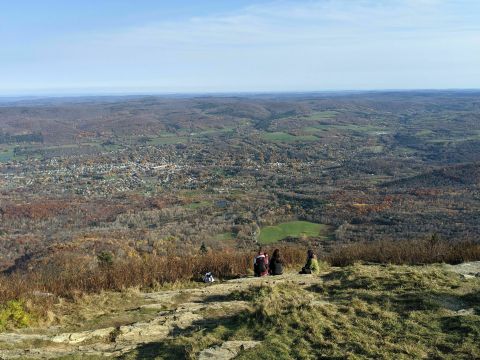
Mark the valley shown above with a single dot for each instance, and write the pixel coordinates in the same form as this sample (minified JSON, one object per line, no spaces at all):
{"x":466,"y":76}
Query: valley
{"x":152,"y":174}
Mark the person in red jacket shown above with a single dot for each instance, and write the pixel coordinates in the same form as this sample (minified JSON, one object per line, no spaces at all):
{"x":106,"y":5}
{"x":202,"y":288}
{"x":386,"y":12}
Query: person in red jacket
{"x":260,"y":264}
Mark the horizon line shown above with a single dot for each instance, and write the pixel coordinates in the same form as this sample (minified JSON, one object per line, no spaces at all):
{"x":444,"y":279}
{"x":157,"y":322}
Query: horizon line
{"x":126,"y":93}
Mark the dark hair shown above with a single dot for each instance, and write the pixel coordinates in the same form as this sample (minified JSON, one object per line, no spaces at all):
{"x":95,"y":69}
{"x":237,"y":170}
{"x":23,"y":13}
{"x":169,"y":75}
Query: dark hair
{"x":310,"y":254}
{"x":276,"y":255}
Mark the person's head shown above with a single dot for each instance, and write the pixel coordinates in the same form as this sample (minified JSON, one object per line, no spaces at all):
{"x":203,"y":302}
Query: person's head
{"x":310,"y":254}
{"x":260,"y":251}
{"x":276,"y":254}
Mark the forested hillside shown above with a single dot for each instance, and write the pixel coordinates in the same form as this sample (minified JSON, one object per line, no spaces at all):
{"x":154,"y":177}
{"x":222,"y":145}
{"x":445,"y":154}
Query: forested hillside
{"x":154,"y":175}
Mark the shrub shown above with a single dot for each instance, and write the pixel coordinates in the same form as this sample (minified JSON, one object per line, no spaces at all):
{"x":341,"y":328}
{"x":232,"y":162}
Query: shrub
{"x":145,"y":272}
{"x":105,"y":258}
{"x":426,"y":251}
{"x":13,"y":314}
{"x":43,"y":286}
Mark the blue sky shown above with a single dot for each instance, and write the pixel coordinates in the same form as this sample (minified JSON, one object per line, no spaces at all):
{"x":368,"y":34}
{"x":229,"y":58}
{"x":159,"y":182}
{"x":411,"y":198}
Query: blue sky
{"x":147,"y":46}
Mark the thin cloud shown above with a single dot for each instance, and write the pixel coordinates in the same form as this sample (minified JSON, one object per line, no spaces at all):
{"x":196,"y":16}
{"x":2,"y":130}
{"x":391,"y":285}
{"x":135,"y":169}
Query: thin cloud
{"x":293,"y":20}
{"x":304,"y":45}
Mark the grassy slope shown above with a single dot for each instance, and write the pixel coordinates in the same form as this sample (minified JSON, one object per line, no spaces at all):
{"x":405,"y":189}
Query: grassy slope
{"x":358,"y":312}
{"x":271,"y":234}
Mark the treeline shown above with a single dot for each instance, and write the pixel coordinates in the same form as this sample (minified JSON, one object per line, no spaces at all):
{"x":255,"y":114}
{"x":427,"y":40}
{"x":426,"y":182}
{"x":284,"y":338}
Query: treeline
{"x":6,"y":138}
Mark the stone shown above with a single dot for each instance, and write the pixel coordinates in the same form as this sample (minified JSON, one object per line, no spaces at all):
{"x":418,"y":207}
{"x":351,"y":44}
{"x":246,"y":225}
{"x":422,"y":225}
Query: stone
{"x":228,"y":350}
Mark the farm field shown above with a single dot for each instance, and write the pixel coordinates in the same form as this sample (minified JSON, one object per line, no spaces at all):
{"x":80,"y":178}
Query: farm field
{"x":272,"y":234}
{"x":285,"y":137}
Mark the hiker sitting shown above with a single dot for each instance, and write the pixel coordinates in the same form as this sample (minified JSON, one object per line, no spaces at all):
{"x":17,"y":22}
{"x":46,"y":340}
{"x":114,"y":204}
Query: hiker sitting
{"x":275,"y":266}
{"x":260,"y":264}
{"x":311,"y":267}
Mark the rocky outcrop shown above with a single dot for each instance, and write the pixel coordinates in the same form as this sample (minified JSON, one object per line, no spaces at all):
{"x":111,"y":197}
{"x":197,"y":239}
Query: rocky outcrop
{"x":228,"y":350}
{"x":177,"y":310}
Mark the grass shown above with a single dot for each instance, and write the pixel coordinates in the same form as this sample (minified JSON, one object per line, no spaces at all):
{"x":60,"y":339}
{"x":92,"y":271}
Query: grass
{"x":313,"y":130}
{"x":322,"y":115}
{"x":422,"y":251}
{"x":75,"y":279}
{"x":279,"y":136}
{"x":6,"y":154}
{"x":167,"y":140}
{"x":172,"y":138}
{"x":452,"y":136}
{"x":198,"y":204}
{"x":424,"y":132}
{"x":13,"y":314}
{"x":360,"y":128}
{"x":455,"y":138}
{"x":214,"y":131}
{"x":357,"y":312}
{"x":148,"y":272}
{"x":101,"y":310}
{"x":271,"y":234}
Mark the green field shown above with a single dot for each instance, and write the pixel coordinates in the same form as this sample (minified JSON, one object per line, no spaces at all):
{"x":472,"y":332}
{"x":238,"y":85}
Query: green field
{"x":6,"y":154}
{"x":271,"y":234}
{"x":198,"y":204}
{"x":214,"y":131}
{"x":360,"y":128}
{"x":285,"y":137}
{"x":322,"y":115}
{"x":167,"y":140}
{"x":424,"y":132}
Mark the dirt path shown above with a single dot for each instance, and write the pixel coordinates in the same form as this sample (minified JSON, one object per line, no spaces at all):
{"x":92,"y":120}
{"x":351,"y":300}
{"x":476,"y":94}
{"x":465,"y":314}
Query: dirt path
{"x":185,"y":307}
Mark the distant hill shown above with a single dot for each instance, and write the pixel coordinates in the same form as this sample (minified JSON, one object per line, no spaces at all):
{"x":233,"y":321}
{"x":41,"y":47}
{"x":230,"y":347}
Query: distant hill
{"x":458,"y":175}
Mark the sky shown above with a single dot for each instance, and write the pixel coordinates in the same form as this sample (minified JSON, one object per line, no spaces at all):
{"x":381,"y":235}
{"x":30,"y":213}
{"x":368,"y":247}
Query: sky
{"x":206,"y":46}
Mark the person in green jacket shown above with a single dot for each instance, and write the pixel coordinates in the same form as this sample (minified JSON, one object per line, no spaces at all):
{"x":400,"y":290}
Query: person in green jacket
{"x":311,"y":267}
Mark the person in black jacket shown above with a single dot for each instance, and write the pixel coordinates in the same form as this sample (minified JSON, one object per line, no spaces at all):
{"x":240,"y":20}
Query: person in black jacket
{"x":275,"y":266}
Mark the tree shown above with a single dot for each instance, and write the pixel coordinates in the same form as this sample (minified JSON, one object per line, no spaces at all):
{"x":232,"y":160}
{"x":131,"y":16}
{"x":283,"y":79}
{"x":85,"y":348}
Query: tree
{"x":203,"y":249}
{"x":105,"y":259}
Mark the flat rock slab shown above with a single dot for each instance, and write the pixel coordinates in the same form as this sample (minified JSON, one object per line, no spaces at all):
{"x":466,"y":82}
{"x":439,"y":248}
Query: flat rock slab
{"x":17,"y":338}
{"x":75,"y":338}
{"x":228,"y":350}
{"x":468,"y":270}
{"x":466,"y":312}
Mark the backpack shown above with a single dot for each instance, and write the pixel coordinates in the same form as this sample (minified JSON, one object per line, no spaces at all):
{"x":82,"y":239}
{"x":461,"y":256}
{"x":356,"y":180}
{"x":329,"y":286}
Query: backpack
{"x":260,"y":264}
{"x":208,"y":278}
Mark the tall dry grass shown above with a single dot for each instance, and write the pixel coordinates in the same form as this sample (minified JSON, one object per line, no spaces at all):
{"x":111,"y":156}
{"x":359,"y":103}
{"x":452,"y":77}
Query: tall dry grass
{"x":149,"y":271}
{"x":145,"y":272}
{"x":426,"y":251}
